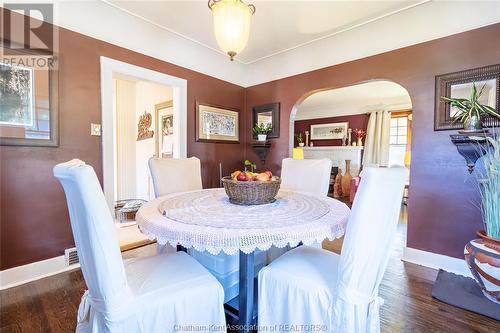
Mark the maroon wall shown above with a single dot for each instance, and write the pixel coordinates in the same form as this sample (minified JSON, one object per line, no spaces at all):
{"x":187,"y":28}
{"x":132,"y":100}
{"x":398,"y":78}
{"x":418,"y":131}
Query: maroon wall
{"x":34,"y":218}
{"x":359,"y":121}
{"x":442,"y":215}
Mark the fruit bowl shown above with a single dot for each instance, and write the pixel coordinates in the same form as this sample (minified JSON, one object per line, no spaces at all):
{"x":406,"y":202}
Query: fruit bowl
{"x":248,"y":193}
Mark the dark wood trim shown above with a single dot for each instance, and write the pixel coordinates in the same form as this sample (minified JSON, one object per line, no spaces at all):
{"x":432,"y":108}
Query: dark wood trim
{"x":197,"y":123}
{"x":442,"y":119}
{"x":275,"y":110}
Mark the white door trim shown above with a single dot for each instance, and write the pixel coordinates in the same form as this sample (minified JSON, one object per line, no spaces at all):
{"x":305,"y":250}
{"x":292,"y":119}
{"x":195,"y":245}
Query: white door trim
{"x":111,"y":67}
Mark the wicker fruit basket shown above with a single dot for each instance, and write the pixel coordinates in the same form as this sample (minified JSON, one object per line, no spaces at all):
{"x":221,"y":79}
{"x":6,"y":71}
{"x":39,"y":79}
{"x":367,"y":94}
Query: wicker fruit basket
{"x":251,"y":192}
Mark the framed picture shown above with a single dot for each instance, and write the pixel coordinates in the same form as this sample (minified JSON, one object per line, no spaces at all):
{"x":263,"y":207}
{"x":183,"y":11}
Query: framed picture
{"x":28,"y":105}
{"x":459,"y":85}
{"x":164,"y":119}
{"x":217,"y":124}
{"x":268,"y":114}
{"x":329,"y":131}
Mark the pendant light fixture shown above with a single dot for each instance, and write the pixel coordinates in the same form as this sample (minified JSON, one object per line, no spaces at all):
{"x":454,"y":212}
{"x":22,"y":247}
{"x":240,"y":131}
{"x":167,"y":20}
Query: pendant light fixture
{"x":231,"y":24}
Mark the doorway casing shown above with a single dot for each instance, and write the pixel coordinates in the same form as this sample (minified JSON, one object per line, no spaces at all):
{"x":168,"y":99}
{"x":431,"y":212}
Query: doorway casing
{"x":109,"y":69}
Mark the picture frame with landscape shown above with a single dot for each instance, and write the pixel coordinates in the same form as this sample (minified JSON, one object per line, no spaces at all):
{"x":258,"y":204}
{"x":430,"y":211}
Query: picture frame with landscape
{"x":218,"y":124}
{"x":28,"y":105}
{"x":330,"y":131}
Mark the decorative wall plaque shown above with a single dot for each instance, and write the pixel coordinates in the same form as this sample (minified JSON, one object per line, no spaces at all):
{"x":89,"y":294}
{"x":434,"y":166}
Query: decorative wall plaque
{"x":143,"y":131}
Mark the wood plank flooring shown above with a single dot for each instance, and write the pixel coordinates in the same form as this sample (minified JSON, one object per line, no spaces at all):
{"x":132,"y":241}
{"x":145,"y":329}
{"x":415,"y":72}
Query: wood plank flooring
{"x":50,"y":304}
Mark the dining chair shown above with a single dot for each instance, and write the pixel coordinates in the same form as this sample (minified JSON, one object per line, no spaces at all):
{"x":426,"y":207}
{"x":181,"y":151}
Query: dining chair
{"x":310,"y":286}
{"x":150,"y":294}
{"x":307,"y":175}
{"x":171,"y":175}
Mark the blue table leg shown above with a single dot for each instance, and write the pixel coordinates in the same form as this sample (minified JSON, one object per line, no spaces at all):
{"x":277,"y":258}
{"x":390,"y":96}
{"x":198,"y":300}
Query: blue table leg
{"x":246,"y":291}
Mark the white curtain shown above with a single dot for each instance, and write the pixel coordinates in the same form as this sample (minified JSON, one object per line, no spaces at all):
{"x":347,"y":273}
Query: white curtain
{"x":376,"y":150}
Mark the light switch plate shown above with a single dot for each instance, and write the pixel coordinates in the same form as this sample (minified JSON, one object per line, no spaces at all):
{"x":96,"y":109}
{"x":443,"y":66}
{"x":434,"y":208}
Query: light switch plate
{"x":95,"y":129}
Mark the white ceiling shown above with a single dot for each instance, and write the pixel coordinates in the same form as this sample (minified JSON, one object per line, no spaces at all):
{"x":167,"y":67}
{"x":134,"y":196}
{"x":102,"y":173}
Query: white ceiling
{"x":287,"y":37}
{"x":277,"y":26}
{"x":357,"y":99}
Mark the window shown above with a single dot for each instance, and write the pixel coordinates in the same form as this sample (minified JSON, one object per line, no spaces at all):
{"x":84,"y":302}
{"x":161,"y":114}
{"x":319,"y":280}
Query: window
{"x":399,"y":131}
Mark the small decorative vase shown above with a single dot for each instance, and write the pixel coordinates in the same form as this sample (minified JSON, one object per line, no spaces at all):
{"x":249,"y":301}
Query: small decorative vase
{"x":483,"y":258}
{"x":473,"y":124}
{"x":301,"y":144}
{"x":311,"y":144}
{"x":261,"y":137}
{"x":337,"y":185}
{"x":359,"y":142}
{"x":346,"y":179}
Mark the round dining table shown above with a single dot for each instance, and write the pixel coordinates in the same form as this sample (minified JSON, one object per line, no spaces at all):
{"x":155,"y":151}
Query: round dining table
{"x":206,"y":220}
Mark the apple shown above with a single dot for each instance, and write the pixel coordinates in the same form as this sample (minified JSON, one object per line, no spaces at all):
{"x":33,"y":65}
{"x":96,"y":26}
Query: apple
{"x":241,"y":177}
{"x":269,"y":173}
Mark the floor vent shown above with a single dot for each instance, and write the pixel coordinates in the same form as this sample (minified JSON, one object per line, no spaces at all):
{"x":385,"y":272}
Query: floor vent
{"x":70,"y":256}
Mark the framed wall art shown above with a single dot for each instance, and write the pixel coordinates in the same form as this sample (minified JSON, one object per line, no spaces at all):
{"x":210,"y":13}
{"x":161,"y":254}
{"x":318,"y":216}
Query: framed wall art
{"x":217,"y":124}
{"x":458,"y":85}
{"x":164,"y":119}
{"x":329,"y":131}
{"x":28,"y":104}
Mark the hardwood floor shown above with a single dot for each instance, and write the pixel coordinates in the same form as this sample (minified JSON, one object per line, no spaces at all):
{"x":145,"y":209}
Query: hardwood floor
{"x":50,"y":304}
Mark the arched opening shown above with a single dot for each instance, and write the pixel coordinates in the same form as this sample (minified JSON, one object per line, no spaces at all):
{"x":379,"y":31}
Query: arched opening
{"x":326,"y":123}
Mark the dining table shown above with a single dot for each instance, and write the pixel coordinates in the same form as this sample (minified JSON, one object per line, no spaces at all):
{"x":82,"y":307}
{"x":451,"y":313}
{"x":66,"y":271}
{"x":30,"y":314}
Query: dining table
{"x":206,"y":220}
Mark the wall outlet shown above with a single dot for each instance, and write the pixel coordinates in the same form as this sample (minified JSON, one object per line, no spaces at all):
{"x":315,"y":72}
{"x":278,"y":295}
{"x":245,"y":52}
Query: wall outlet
{"x":95,"y":129}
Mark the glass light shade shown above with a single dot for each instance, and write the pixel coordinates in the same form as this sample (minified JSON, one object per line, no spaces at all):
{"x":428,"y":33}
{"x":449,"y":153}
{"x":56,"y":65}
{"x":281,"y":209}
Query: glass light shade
{"x":232,"y":25}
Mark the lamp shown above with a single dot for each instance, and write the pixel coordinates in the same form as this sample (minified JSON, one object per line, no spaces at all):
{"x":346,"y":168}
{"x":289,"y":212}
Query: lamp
{"x":231,"y":24}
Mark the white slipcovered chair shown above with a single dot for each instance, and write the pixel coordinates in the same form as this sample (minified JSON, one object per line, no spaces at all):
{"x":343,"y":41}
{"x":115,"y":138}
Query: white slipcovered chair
{"x":310,"y":286}
{"x":307,"y":175}
{"x":175,"y":175}
{"x":151,"y":294}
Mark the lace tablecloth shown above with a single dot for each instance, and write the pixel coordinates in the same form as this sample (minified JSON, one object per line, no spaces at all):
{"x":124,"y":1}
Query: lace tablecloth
{"x":206,"y":220}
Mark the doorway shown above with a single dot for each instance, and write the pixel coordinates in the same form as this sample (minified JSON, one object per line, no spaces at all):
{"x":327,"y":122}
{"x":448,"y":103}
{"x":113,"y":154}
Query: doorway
{"x":326,"y":122}
{"x":113,"y":69}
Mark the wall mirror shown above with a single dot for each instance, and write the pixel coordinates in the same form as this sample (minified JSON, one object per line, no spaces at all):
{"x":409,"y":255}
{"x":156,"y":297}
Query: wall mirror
{"x":459,"y":85}
{"x":268,"y":114}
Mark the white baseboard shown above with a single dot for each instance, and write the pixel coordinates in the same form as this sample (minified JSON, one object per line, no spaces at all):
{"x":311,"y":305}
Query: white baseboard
{"x":22,"y":274}
{"x":436,"y":261}
{"x":16,"y":276}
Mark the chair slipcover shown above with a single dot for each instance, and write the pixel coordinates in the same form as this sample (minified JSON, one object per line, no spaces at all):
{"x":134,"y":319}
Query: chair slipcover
{"x":152,"y":294}
{"x":308,"y":175}
{"x":175,"y":175}
{"x":309,"y":286}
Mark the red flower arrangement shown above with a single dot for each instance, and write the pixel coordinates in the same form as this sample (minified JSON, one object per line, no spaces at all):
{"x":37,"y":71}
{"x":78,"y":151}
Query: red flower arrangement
{"x":359,"y":133}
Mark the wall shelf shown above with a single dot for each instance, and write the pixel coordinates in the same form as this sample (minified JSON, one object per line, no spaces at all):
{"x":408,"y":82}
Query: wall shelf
{"x":471,"y":146}
{"x":261,"y":148}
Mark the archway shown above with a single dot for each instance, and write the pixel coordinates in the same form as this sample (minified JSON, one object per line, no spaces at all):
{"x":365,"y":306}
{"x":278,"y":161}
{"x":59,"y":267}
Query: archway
{"x":351,"y":107}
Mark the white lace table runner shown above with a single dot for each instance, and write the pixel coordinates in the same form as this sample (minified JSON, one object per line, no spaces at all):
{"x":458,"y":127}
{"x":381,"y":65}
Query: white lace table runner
{"x":206,"y":220}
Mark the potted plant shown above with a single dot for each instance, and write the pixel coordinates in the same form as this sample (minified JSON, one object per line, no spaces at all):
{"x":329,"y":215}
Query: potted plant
{"x":262,"y":130}
{"x":300,"y":139}
{"x":470,"y":111}
{"x":483,"y":254}
{"x":360,"y":134}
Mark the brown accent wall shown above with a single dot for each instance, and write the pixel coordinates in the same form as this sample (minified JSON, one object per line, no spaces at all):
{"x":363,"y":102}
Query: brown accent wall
{"x":442,"y":215}
{"x":34,"y":218}
{"x":359,"y":121}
